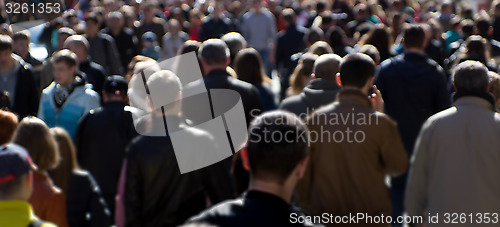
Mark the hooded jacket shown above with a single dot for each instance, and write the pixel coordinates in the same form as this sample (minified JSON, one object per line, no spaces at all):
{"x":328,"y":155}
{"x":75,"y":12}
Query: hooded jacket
{"x":317,"y":93}
{"x":78,"y":103}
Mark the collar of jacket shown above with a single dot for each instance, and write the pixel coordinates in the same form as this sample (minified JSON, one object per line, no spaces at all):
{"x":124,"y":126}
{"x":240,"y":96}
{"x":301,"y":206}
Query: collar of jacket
{"x":264,"y":196}
{"x":415,"y":56}
{"x":322,"y":84}
{"x":351,"y":95}
{"x":485,"y":100}
{"x":217,"y":73}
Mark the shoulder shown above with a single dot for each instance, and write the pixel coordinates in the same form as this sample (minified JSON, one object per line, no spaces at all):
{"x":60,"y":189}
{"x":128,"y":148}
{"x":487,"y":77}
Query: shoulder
{"x":218,"y":212}
{"x":106,"y":37}
{"x":290,"y":101}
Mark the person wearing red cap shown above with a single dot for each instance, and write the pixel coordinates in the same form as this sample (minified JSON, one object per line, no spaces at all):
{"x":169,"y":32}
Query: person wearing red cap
{"x":16,"y":186}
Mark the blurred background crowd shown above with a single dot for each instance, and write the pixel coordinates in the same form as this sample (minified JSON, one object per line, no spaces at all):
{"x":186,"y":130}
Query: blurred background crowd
{"x":69,"y":91}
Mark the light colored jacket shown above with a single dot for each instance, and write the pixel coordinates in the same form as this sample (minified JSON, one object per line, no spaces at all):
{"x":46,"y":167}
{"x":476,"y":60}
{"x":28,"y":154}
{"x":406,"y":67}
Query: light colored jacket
{"x":456,"y":163}
{"x":78,"y":103}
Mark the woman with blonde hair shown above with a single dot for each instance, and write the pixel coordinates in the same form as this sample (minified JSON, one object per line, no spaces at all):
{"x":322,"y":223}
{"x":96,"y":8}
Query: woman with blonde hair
{"x":47,"y":200}
{"x":302,"y":74}
{"x":85,"y":206}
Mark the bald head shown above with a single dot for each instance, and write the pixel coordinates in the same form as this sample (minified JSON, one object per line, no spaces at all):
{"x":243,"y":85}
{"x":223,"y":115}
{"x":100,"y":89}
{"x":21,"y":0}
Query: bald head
{"x":78,"y":44}
{"x":327,"y":66}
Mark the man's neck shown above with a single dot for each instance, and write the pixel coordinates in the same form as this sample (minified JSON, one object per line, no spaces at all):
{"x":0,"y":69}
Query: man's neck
{"x":282,"y":191}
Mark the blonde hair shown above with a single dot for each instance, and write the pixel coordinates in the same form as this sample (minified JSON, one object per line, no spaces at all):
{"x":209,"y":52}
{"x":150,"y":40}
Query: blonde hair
{"x":34,"y":135}
{"x":62,"y":174}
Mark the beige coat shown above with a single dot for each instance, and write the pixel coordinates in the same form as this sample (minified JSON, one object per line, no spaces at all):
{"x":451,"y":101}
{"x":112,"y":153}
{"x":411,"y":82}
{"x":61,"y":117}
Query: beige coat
{"x":347,"y":176}
{"x":456,"y":163}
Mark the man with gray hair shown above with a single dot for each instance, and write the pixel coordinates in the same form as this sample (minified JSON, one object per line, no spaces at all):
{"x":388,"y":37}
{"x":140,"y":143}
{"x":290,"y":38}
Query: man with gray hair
{"x":455,"y":162}
{"x":126,"y":42}
{"x":320,"y":91}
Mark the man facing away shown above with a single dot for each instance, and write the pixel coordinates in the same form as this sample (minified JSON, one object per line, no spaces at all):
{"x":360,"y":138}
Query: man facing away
{"x":275,"y":166}
{"x":156,"y":193}
{"x":414,"y":88}
{"x":455,"y":163}
{"x":16,"y":186}
{"x":349,"y":159}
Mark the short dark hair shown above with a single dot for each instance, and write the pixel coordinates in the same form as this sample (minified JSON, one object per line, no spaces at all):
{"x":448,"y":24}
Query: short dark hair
{"x":371,"y":51}
{"x":335,"y":36}
{"x":483,"y":25}
{"x":313,"y":35}
{"x":288,"y":15}
{"x":93,"y":16}
{"x":356,"y":69}
{"x":273,"y":157}
{"x":214,"y":52}
{"x":10,"y":188}
{"x":21,"y":35}
{"x":470,"y":77}
{"x":67,"y":56}
{"x":414,"y":37}
{"x":6,"y":43}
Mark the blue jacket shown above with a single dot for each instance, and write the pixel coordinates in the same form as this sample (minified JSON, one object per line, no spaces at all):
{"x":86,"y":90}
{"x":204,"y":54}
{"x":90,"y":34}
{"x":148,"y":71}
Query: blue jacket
{"x":78,"y":103}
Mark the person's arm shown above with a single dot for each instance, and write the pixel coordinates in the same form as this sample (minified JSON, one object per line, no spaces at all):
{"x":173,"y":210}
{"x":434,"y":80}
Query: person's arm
{"x":99,"y":213}
{"x":56,"y":212}
{"x":394,"y":156}
{"x":33,"y":95}
{"x":416,"y":189}
{"x":443,"y":96}
{"x":133,"y":192}
{"x":41,"y":110}
{"x":114,"y":58}
{"x":120,"y":196}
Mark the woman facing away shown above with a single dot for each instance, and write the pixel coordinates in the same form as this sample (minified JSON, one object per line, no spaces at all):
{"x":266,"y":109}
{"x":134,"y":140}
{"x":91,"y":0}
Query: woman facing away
{"x":85,"y":205}
{"x":47,"y":200}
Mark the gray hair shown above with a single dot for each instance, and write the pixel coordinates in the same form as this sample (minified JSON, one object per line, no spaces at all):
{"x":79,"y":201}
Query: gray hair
{"x":214,"y":52}
{"x":471,"y":76}
{"x":235,"y":42}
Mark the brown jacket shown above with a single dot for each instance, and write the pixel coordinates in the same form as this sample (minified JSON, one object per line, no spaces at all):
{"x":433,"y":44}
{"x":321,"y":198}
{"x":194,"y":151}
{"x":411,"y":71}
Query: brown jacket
{"x":48,"y":201}
{"x":352,"y":149}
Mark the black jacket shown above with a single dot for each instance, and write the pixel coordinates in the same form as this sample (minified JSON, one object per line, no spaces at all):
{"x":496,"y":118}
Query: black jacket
{"x":220,"y":79}
{"x":317,"y":93}
{"x":84,"y":197}
{"x":254,"y":208}
{"x":126,"y":43}
{"x":156,"y":193}
{"x":27,"y":97}
{"x":290,"y":41}
{"x":214,"y":28}
{"x":414,"y":88}
{"x":95,"y":74}
{"x":101,"y":139}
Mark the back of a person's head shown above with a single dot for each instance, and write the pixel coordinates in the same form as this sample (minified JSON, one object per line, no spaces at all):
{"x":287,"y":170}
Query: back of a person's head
{"x":62,"y":174}
{"x":167,"y":86}
{"x":214,"y":52}
{"x":379,"y":37}
{"x":15,"y":168}
{"x":313,"y":35}
{"x":494,"y":84}
{"x":235,"y":42}
{"x":476,"y":45}
{"x":6,"y":43}
{"x":414,"y":37}
{"x":320,"y":48}
{"x":248,"y":66}
{"x":34,"y":135}
{"x":483,"y":26}
{"x":356,"y":69}
{"x":8,"y":121}
{"x":467,"y":27}
{"x":288,"y":16}
{"x":276,"y":144}
{"x":326,"y":66}
{"x":470,"y":77}
{"x":371,"y":51}
{"x":190,"y":46}
{"x":336,"y":36}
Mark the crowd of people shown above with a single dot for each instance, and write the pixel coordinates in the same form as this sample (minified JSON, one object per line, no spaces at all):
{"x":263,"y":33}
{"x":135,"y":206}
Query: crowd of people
{"x":386,"y":108}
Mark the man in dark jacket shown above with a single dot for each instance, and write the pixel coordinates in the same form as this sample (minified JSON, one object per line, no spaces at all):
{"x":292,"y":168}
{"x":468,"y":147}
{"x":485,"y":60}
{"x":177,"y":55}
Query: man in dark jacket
{"x":94,"y":73}
{"x":17,"y":79}
{"x":21,"y":47}
{"x":102,"y":136}
{"x":216,"y":24}
{"x":414,"y":88}
{"x":320,"y":91}
{"x":124,"y":37}
{"x":290,"y":41}
{"x":275,"y":167}
{"x":157,"y":192}
{"x":102,"y":47}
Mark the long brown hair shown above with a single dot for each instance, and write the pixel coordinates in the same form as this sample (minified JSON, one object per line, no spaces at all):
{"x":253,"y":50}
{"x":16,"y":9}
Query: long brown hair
{"x":62,"y":174}
{"x":302,"y":73}
{"x":248,"y":66}
{"x":34,"y":135}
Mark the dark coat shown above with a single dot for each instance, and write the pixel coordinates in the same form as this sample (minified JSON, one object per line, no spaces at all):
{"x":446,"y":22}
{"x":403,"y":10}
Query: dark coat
{"x":27,"y":96}
{"x":414,"y":88}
